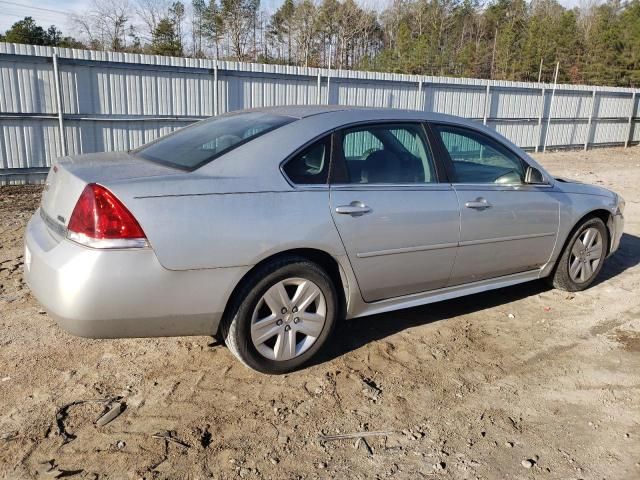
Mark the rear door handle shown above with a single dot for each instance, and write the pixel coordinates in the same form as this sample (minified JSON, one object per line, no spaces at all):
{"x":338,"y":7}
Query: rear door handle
{"x":354,"y":209}
{"x":478,"y":204}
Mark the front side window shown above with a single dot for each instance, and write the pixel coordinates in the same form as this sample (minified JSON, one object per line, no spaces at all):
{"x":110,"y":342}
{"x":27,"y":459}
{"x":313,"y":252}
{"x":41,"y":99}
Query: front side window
{"x":387,"y":154}
{"x":311,"y":166}
{"x":200,"y":143}
{"x":480,"y":159}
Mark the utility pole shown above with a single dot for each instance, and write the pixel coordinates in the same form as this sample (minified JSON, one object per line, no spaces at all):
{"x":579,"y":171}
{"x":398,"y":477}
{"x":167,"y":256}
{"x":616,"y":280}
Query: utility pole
{"x":59,"y":107}
{"x":553,"y":94}
{"x":329,"y":77}
{"x":493,"y":55}
{"x":255,"y":50}
{"x":540,"y":71}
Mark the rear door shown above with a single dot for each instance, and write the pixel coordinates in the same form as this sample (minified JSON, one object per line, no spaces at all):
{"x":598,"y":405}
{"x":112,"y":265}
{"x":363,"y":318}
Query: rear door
{"x":506,"y":226}
{"x":397,"y":216}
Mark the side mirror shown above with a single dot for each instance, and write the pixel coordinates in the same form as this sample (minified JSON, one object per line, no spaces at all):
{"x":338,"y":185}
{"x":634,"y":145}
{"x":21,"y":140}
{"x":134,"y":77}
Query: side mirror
{"x":534,"y":176}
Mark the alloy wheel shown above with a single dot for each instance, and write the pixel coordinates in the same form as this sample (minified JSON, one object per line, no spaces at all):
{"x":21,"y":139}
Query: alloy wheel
{"x":586,"y":255}
{"x":288,"y":319}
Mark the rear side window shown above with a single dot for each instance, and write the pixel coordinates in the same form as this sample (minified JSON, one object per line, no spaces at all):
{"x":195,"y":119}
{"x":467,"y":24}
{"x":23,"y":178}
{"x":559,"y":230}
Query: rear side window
{"x":311,"y":166}
{"x":200,"y":143}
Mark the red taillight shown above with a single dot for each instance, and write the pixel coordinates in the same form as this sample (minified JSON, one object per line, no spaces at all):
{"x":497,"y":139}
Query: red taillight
{"x":99,"y":215}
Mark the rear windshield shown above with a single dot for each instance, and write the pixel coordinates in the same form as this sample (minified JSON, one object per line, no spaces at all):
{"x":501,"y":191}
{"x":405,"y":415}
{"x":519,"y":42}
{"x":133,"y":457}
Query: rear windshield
{"x":197,"y":144}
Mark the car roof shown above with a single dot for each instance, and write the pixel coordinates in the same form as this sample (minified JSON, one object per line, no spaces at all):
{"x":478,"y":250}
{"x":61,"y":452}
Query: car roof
{"x":301,"y":111}
{"x":304,"y":111}
{"x":313,"y":122}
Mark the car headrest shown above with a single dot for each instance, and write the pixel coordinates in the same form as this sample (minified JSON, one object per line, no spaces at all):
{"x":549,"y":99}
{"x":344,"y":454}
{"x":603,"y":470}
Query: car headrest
{"x":225,"y":141}
{"x":378,"y":167}
{"x":314,"y":161}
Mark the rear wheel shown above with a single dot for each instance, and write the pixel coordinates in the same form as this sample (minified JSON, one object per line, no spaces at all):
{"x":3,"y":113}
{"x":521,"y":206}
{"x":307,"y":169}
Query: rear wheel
{"x":282,"y":315}
{"x":583,"y":257}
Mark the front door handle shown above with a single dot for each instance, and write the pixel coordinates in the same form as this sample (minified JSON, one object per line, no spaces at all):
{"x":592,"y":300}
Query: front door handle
{"x":354,"y":209}
{"x":478,"y":204}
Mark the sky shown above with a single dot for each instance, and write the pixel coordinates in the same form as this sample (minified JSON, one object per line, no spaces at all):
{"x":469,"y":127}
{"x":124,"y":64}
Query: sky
{"x":57,"y":12}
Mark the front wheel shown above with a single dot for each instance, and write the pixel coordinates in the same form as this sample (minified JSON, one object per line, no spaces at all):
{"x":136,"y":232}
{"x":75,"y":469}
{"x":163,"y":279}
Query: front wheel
{"x":583,"y":257}
{"x":282,"y":315}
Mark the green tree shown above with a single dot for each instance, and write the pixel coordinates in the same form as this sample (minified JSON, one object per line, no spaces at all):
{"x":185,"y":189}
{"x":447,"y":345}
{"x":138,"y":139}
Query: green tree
{"x":630,"y":28}
{"x":506,"y":22}
{"x":198,"y":8}
{"x":213,"y":26}
{"x":27,"y":31}
{"x":165,"y":40}
{"x":176,"y":15}
{"x":604,"y":45}
{"x":281,"y":27}
{"x":552,"y":35}
{"x":328,"y":28}
{"x":239,"y":20}
{"x":501,"y":39}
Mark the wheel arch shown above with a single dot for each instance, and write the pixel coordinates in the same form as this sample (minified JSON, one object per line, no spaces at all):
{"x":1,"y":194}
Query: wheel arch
{"x":320,"y":257}
{"x":601,"y":213}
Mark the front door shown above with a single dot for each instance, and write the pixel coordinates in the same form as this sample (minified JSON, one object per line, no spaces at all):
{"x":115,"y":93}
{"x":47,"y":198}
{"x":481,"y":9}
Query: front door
{"x":506,"y":226}
{"x":399,"y":225}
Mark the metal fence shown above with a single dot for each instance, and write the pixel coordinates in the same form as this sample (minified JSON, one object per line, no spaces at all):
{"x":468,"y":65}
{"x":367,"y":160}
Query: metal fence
{"x":55,"y":102}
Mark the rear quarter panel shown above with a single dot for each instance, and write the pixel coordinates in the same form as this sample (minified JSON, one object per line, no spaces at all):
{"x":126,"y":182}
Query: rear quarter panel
{"x":233,"y":229}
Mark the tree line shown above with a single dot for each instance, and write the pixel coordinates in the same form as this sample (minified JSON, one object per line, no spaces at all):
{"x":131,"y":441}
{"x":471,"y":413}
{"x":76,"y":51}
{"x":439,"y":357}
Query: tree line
{"x":595,"y":43}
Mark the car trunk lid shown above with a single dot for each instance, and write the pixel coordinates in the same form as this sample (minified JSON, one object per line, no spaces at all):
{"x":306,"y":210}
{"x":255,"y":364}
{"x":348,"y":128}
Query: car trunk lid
{"x":69,"y":176}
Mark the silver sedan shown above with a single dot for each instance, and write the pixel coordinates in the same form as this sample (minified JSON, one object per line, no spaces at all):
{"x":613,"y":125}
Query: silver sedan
{"x":267,"y":226}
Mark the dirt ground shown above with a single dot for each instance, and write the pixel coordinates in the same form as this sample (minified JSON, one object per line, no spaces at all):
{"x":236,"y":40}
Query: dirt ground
{"x":524,"y":382}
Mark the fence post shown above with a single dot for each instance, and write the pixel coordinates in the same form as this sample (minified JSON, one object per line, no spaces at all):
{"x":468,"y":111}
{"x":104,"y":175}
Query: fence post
{"x":56,"y":74}
{"x":631,"y":115}
{"x":593,"y":111}
{"x":543,"y":100}
{"x":419,"y":97}
{"x":553,"y":96}
{"x":215,"y":88}
{"x":319,"y":93}
{"x":487,"y":103}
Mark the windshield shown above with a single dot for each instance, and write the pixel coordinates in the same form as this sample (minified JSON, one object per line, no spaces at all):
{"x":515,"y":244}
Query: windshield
{"x":193,"y":146}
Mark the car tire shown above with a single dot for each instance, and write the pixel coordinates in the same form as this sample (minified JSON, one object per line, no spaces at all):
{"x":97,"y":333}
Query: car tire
{"x":254,"y":299}
{"x":564,"y":278}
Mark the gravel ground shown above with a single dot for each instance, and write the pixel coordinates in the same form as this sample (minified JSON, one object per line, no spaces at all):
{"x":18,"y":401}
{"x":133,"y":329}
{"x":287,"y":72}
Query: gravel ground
{"x":523,"y":382}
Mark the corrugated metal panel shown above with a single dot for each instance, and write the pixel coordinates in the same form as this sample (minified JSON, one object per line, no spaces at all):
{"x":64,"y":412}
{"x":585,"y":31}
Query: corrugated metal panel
{"x":511,"y":103}
{"x":15,"y":178}
{"x":523,"y":134}
{"x":255,"y":91}
{"x":113,"y":91}
{"x":571,"y":104}
{"x":605,"y":131}
{"x":460,"y":101}
{"x":27,"y":143}
{"x":26,"y":87}
{"x":613,"y":105}
{"x":373,"y":94}
{"x":104,"y":136}
{"x":566,"y":134}
{"x":635,"y":132}
{"x":116,"y":101}
{"x":19,"y":49}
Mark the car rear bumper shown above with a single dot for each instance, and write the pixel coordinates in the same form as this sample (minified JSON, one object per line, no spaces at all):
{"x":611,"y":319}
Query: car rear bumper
{"x":122,"y":293}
